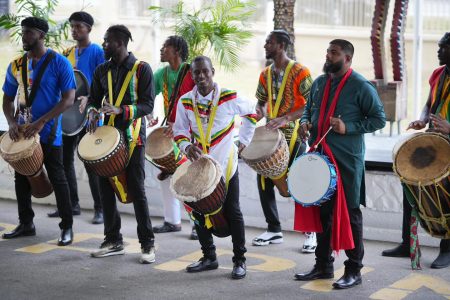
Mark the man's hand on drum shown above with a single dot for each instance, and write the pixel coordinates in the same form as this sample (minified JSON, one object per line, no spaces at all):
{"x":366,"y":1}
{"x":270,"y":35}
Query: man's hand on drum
{"x":151,"y":121}
{"x":193,"y":152}
{"x":439,"y":124}
{"x":168,"y":130}
{"x":33,"y":128}
{"x":303,"y":130}
{"x":259,"y":112}
{"x":337,"y":124}
{"x":92,"y":121}
{"x":277,"y":122}
{"x":111,"y":109}
{"x":83,"y":103}
{"x":417,"y":125}
{"x":14,"y":131}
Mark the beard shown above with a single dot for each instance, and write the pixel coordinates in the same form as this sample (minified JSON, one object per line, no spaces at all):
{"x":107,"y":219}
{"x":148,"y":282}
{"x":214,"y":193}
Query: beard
{"x":329,"y":67}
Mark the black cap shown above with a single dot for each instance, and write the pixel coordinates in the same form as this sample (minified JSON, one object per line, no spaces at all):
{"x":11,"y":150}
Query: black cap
{"x":36,"y":23}
{"x":82,"y":16}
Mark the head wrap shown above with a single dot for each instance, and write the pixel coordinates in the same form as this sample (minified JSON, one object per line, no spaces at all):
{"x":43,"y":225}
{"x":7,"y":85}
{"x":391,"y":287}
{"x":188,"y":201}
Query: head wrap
{"x":35,"y":23}
{"x":445,"y":40}
{"x":83,"y":17}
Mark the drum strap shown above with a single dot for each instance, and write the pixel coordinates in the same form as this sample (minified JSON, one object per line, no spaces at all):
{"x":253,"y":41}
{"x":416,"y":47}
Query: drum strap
{"x":176,"y":90}
{"x":273,"y":113}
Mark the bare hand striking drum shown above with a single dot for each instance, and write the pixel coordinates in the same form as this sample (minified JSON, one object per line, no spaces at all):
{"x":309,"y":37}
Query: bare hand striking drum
{"x":422,"y":161}
{"x":163,"y":152}
{"x":72,"y":120}
{"x":26,"y":158}
{"x":201,"y":186}
{"x":104,"y":151}
{"x":268,"y":155}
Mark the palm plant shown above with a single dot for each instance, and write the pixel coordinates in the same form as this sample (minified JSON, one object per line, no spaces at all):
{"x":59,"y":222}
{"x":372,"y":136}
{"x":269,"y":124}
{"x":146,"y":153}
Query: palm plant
{"x":217,"y":29}
{"x":58,"y":31}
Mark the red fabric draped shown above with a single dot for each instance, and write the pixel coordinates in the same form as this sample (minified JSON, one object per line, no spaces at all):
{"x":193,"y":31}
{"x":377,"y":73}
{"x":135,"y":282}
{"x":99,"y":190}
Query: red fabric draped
{"x":307,"y":219}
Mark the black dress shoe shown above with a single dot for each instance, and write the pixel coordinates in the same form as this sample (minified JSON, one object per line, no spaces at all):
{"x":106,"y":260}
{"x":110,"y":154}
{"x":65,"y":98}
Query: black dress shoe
{"x":98,"y":217}
{"x":204,"y":264}
{"x":66,"y":237}
{"x":401,"y":250}
{"x":54,"y":214}
{"x":21,"y":230}
{"x":167,"y":227}
{"x":348,"y":280}
{"x":76,"y":210}
{"x":442,"y":261}
{"x":315,"y":273}
{"x":239,"y":270}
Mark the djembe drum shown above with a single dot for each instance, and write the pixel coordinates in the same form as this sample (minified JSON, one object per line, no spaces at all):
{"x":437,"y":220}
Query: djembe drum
{"x":268,"y":155}
{"x":26,"y":157}
{"x":72,"y":120}
{"x":201,"y":186}
{"x":422,"y":161}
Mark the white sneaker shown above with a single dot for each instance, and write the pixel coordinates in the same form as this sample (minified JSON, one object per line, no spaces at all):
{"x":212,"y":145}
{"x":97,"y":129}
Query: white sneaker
{"x":268,"y":238}
{"x":310,"y":244}
{"x":109,"y":249}
{"x":147,"y":255}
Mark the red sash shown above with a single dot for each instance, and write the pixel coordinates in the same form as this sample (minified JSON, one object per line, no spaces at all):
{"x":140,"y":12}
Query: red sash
{"x":307,"y":219}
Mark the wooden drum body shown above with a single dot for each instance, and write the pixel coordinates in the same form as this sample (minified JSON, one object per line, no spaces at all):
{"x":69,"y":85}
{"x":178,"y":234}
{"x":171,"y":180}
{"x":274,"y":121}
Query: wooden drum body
{"x":163,"y":152}
{"x":268,"y":155}
{"x":201,"y":186}
{"x":422,"y":161}
{"x":27,"y":158}
{"x":104,"y":151}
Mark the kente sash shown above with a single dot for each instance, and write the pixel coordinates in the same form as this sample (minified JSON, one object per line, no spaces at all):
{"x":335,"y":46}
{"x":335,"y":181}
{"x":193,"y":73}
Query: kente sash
{"x":307,"y":219}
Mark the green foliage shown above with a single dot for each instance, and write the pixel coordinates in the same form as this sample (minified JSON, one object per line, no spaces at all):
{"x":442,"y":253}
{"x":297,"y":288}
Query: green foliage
{"x":218,"y":29}
{"x":58,"y":31}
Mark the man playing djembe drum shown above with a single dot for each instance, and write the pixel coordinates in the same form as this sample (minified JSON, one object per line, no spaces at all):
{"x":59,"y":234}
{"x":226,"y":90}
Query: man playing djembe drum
{"x":135,"y":103}
{"x":215,"y":108}
{"x":44,"y":98}
{"x":282,"y":91}
{"x":343,"y":106}
{"x":436,"y":112}
{"x":85,"y":56}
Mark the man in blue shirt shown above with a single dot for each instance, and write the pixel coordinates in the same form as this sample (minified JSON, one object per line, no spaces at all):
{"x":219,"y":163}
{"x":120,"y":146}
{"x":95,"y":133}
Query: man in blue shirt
{"x":85,"y":57}
{"x":54,"y":94}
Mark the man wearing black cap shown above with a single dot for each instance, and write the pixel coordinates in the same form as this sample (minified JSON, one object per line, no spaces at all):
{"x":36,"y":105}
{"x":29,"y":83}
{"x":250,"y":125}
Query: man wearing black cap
{"x":436,"y":112}
{"x":49,"y":89}
{"x":125,"y":111}
{"x":284,"y":84}
{"x":84,"y":57}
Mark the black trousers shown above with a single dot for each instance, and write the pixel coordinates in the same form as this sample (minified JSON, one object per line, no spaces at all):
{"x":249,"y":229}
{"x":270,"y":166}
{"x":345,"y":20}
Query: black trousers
{"x":135,"y":183}
{"x":53,"y":161}
{"x":407,"y":210}
{"x":235,"y":220}
{"x":267,"y":196}
{"x":324,"y":260}
{"x":70,"y":144}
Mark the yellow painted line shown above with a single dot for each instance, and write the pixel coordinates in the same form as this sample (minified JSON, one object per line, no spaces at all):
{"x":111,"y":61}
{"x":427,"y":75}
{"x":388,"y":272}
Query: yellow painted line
{"x":390,"y":294}
{"x":38,"y":248}
{"x":270,"y":263}
{"x":326,"y":285}
{"x":7,"y":227}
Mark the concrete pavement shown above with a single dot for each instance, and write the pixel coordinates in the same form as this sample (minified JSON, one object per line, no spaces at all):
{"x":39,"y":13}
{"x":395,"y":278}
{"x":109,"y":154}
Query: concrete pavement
{"x":35,"y":268}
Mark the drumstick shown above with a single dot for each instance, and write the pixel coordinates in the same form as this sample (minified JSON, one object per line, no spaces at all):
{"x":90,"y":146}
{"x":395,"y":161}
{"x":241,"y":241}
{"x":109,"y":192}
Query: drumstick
{"x":329,"y":129}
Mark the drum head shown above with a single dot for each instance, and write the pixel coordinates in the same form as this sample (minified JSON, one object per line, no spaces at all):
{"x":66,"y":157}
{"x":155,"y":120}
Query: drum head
{"x":309,"y":179}
{"x":158,"y":145}
{"x":423,"y":158}
{"x":10,"y":147}
{"x":193,"y":181}
{"x":72,"y":120}
{"x":99,"y":144}
{"x":263,"y":144}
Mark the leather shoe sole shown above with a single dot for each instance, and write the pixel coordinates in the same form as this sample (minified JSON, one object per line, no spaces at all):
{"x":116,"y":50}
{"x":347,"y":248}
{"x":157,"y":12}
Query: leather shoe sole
{"x":307,"y":277}
{"x":8,"y":236}
{"x":201,"y":268}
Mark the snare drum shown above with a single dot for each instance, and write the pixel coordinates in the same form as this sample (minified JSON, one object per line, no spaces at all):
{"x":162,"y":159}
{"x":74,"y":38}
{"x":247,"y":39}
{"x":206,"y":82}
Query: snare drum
{"x":422,"y":161}
{"x":312,"y":179}
{"x":268,"y":155}
{"x":26,"y":158}
{"x":163,"y":152}
{"x":201,"y":186}
{"x":72,"y":120}
{"x":104,"y":151}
